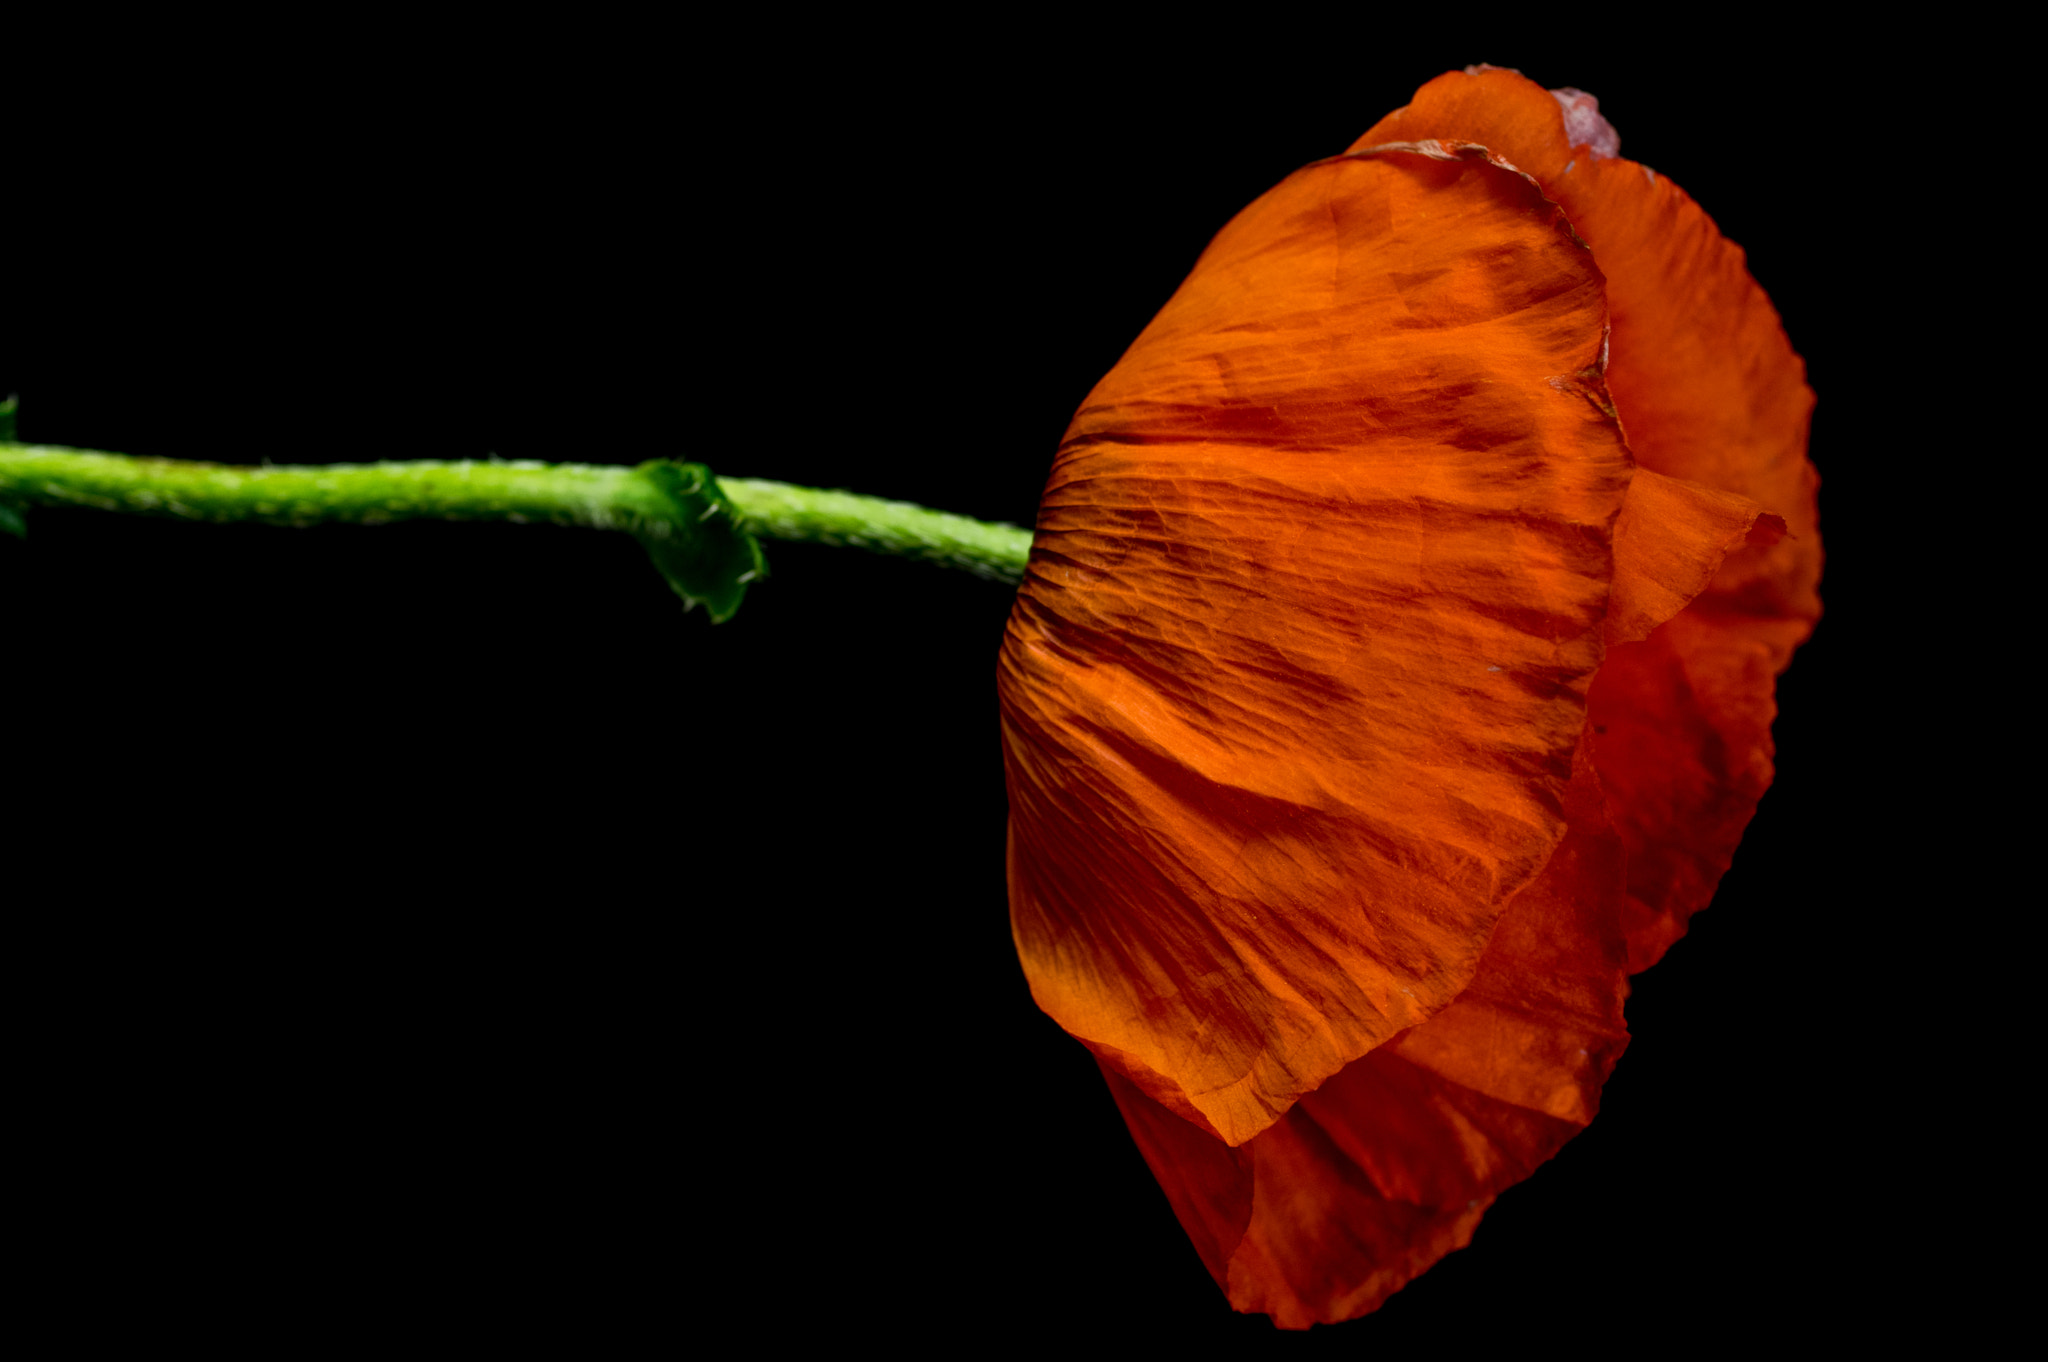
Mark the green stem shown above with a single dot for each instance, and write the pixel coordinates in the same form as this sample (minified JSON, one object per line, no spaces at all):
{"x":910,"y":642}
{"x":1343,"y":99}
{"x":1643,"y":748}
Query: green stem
{"x":600,"y":496}
{"x":777,"y":510}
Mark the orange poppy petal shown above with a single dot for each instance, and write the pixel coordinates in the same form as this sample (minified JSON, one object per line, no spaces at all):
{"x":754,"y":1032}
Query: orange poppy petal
{"x":1208,"y":1184}
{"x":1524,"y":121}
{"x":1368,"y":1181}
{"x":1683,"y":703}
{"x":1672,"y":538}
{"x":1291,"y":691}
{"x":1683,"y":741}
{"x":1709,"y":391}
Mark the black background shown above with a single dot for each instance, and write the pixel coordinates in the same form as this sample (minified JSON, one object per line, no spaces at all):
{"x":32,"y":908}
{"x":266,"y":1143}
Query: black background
{"x":432,"y":924}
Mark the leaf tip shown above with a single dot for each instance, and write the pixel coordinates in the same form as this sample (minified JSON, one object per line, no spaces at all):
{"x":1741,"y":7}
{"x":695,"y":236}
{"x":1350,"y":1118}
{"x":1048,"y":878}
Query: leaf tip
{"x":698,"y":544}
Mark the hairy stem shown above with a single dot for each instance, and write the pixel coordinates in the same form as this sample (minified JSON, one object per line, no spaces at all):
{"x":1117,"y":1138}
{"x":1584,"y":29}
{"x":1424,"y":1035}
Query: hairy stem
{"x":600,"y":496}
{"x":777,"y":510}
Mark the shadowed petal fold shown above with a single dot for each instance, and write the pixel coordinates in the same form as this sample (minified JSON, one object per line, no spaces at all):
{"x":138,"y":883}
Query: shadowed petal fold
{"x":1368,"y":1181}
{"x":1291,"y":690}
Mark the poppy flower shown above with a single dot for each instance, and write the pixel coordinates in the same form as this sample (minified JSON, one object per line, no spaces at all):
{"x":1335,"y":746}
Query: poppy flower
{"x":1393,"y":676}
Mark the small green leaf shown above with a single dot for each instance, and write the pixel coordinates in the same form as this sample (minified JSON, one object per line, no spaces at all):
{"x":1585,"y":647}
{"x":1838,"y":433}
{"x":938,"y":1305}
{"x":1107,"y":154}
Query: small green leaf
{"x":7,"y":409}
{"x":698,"y":541}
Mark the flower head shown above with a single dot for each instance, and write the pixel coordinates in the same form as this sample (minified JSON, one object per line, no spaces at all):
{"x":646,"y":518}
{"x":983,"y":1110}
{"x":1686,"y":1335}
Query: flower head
{"x":1394,"y":673}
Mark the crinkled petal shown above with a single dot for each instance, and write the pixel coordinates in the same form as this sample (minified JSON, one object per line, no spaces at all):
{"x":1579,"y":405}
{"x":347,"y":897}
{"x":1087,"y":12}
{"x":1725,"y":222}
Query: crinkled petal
{"x":1292,"y":687}
{"x":1670,"y":542}
{"x":1368,"y":1181}
{"x":1709,"y":391}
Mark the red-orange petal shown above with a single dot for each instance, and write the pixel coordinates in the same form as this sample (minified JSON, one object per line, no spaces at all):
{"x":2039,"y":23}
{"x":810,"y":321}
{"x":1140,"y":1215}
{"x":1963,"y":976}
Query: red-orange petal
{"x":1709,"y":391}
{"x":1670,"y":542}
{"x":1683,"y":740}
{"x":1368,"y":1181}
{"x":1291,"y":690}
